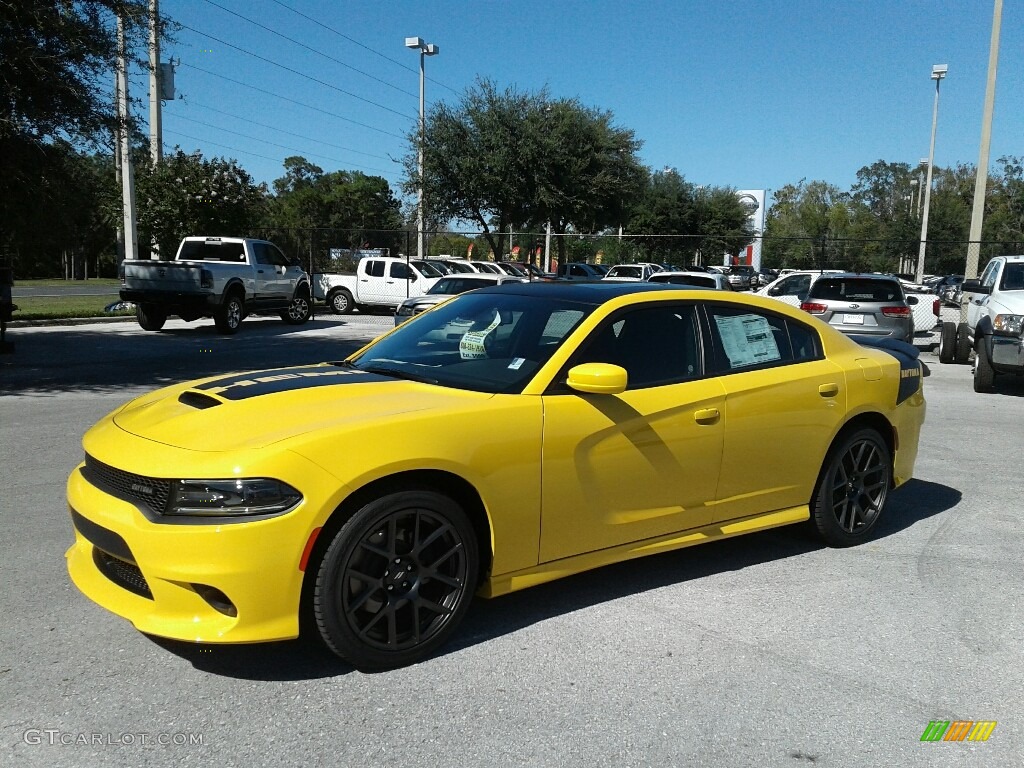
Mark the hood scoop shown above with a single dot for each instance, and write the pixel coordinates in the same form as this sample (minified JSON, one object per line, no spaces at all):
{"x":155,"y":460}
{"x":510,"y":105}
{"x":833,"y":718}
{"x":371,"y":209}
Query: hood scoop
{"x":198,"y":400}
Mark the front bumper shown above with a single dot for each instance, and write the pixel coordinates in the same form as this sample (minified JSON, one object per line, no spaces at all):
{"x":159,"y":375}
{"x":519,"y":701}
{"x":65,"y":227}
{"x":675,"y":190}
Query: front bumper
{"x":1007,"y":353}
{"x":203,"y":581}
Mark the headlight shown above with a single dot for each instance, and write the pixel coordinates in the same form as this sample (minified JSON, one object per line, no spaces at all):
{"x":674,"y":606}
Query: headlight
{"x":1011,"y":324}
{"x":243,"y":496}
{"x":405,"y":311}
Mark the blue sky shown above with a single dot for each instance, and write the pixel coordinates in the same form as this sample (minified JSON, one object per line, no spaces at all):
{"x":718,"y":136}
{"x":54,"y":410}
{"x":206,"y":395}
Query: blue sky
{"x":747,"y":95}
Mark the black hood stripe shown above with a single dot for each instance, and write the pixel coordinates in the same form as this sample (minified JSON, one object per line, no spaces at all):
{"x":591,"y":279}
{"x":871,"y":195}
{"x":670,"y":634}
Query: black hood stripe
{"x":242,"y":386}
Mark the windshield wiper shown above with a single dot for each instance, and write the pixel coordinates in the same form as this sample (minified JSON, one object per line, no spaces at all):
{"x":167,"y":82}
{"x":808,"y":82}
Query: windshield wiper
{"x":385,"y":370}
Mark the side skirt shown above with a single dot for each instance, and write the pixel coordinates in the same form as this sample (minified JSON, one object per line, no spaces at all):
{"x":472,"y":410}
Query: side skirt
{"x":540,"y":574}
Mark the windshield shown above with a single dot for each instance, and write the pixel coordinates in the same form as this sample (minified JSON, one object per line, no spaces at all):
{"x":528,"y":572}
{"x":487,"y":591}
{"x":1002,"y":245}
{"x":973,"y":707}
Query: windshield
{"x":625,"y":272}
{"x":428,"y":269}
{"x":1013,"y":277}
{"x":486,"y":342}
{"x":447,"y":286}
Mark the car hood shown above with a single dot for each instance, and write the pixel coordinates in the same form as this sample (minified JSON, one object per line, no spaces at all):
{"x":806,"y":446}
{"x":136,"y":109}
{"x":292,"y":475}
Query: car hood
{"x":258,"y":408}
{"x":1009,"y":302}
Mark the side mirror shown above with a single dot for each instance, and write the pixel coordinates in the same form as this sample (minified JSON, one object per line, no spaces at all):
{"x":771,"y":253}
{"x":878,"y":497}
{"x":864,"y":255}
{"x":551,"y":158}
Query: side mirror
{"x":912,"y":300}
{"x":774,"y":291}
{"x":975,"y":286}
{"x":598,"y":378}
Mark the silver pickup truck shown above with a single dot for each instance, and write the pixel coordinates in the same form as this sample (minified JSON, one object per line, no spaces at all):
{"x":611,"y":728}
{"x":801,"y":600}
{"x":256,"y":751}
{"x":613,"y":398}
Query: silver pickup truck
{"x":225,"y":278}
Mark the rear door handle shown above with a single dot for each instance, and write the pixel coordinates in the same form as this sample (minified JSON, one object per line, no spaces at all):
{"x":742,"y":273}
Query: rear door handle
{"x":707,"y":416}
{"x":828,"y":390}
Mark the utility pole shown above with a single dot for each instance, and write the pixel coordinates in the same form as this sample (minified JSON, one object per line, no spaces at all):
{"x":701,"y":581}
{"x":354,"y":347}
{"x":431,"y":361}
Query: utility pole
{"x":156,"y":132}
{"x":981,"y":181}
{"x":131,"y":250}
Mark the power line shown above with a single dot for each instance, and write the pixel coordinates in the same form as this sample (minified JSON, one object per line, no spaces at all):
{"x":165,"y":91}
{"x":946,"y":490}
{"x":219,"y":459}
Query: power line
{"x":275,"y":144}
{"x":297,"y":72}
{"x":313,"y":50}
{"x":222,"y":146}
{"x":293,"y":101}
{"x":236,"y":149}
{"x":250,"y":121}
{"x":356,"y":42}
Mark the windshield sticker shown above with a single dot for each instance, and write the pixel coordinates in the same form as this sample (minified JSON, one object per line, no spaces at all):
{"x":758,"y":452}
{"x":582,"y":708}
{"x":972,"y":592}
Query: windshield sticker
{"x":516,"y":364}
{"x":748,"y":340}
{"x":471,"y":347}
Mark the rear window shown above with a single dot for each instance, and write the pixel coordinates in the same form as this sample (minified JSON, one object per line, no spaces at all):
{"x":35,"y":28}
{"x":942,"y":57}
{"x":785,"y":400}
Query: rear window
{"x":855,"y":289}
{"x":211,"y":250}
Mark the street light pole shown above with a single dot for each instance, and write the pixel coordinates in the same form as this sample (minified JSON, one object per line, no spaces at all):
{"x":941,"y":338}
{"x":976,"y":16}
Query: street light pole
{"x":425,"y":49}
{"x":938,"y":72}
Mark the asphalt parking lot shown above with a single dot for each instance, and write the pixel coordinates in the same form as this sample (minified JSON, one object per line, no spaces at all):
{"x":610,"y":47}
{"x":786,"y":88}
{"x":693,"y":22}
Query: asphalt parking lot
{"x":768,"y":650}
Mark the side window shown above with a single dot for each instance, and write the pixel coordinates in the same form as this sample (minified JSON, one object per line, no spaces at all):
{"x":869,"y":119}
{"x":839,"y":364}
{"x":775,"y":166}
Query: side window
{"x":278,"y":257}
{"x":400,"y":271}
{"x":745,"y":339}
{"x":656,"y":345}
{"x":375,"y":268}
{"x":989,"y":278}
{"x":260,"y":251}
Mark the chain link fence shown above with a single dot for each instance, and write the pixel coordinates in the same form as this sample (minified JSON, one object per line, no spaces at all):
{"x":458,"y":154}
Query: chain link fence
{"x":325,"y":250}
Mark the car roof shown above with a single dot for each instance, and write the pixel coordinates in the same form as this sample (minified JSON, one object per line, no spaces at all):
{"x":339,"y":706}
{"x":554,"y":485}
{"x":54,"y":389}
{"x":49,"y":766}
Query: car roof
{"x":596,"y":293}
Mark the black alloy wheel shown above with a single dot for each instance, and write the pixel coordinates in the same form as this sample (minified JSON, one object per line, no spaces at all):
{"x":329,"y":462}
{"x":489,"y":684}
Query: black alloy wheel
{"x":397,"y":580}
{"x":852,"y":489}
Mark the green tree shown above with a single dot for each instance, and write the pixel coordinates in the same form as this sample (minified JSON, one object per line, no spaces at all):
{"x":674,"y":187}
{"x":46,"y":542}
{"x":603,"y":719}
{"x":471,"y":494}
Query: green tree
{"x":503,"y":159}
{"x":187,"y":194}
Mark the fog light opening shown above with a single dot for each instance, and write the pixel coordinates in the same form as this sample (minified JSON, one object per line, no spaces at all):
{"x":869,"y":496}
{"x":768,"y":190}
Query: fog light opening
{"x":217,"y":599}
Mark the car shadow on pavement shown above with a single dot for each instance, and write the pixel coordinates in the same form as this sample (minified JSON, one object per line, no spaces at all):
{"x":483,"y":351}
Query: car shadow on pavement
{"x":306,"y":658}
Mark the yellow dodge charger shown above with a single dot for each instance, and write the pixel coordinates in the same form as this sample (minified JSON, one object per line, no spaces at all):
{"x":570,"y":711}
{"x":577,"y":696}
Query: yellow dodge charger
{"x":510,"y":436}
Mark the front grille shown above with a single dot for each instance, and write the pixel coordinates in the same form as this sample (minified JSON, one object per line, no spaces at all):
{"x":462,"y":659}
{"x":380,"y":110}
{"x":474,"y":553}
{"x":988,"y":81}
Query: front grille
{"x":151,"y":491}
{"x":124,"y":574}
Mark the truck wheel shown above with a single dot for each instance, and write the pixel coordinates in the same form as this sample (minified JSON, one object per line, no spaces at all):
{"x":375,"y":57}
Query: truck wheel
{"x":947,"y":343}
{"x":150,"y":316}
{"x":396,"y":580}
{"x":984,"y":374}
{"x":341,"y":302}
{"x":963,"y":343}
{"x":299,"y":310}
{"x":229,"y":314}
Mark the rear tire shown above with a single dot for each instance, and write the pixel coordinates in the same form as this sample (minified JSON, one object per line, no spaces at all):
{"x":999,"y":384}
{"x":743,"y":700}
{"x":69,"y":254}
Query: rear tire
{"x":963,"y":343}
{"x":852,"y":488}
{"x":299,"y":311}
{"x":984,"y":374}
{"x":947,"y":343}
{"x":229,"y":314}
{"x":150,"y":316}
{"x":341,"y":302}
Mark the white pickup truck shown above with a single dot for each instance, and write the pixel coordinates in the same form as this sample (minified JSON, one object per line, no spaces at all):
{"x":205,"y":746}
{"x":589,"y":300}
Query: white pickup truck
{"x":225,"y":278}
{"x":379,"y":281}
{"x":994,"y":330}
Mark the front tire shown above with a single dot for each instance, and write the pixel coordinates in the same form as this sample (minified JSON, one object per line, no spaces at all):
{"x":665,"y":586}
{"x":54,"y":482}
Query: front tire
{"x":228,"y":316}
{"x":963,"y":343}
{"x":397,"y":580}
{"x":150,"y":316}
{"x":341,"y":302}
{"x":947,"y":343}
{"x":984,"y":373}
{"x":852,"y":488}
{"x":299,"y":311}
